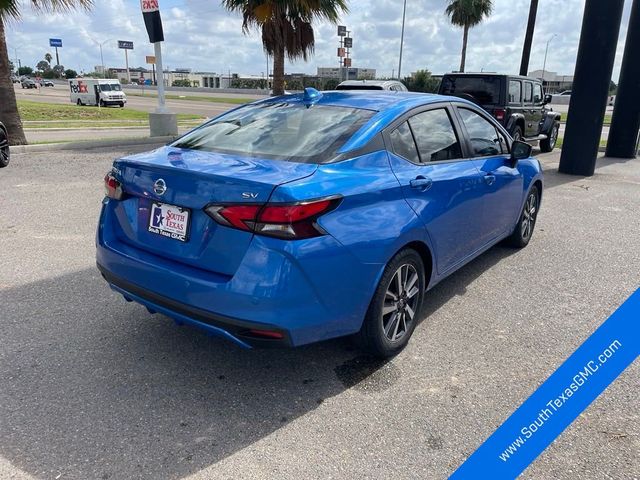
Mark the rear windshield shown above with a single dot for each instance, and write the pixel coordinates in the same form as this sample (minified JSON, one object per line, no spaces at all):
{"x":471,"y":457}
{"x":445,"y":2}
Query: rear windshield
{"x":484,"y":90}
{"x":359,"y":87}
{"x":285,"y":131}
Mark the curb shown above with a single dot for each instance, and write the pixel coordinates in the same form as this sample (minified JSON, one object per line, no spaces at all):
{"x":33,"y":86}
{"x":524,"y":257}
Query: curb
{"x":117,"y":142}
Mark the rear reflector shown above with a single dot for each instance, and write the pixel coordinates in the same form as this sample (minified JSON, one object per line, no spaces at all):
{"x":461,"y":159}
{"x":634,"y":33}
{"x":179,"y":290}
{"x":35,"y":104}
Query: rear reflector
{"x":287,"y":221}
{"x":499,"y":114}
{"x":266,"y":334}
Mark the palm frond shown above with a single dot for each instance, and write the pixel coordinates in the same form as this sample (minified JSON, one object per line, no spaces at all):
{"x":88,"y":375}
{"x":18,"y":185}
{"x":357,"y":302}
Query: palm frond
{"x":11,"y":8}
{"x":468,"y":12}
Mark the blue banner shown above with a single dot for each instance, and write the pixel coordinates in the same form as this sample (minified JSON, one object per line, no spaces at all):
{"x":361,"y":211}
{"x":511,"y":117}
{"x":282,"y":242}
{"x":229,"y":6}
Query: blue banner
{"x":560,"y":399}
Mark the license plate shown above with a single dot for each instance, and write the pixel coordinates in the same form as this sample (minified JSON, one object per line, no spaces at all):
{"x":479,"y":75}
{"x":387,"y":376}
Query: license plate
{"x":169,"y":221}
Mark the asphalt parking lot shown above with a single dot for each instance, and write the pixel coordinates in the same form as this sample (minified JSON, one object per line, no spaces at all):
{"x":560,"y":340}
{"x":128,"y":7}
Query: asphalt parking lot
{"x":94,"y":387}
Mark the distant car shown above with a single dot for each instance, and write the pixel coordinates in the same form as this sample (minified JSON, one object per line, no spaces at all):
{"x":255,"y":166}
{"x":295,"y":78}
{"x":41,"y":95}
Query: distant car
{"x":28,"y":83}
{"x":566,"y":93}
{"x":302,"y":218}
{"x":15,"y":79}
{"x":46,"y":83}
{"x":4,"y":146}
{"x":393,"y":85}
{"x":517,"y":102}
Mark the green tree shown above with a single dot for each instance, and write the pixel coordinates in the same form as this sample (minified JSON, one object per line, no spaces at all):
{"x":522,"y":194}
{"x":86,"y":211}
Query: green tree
{"x":422,"y":81}
{"x":21,"y":71}
{"x":10,"y":10}
{"x":70,"y":73}
{"x":48,"y":57}
{"x":286,"y":27}
{"x":43,"y":66}
{"x":467,"y":14}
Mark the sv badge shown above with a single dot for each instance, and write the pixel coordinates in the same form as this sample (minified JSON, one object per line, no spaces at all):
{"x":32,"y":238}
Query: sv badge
{"x":249,"y":195}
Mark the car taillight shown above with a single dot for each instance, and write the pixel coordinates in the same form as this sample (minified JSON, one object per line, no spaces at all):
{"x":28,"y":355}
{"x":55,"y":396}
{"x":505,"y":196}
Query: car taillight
{"x":499,"y":114}
{"x":288,"y":221}
{"x":112,"y":187}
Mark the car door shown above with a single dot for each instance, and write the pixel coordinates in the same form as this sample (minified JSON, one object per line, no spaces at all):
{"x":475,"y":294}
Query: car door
{"x":530,"y":124}
{"x":515,"y":104}
{"x":502,"y":183}
{"x":442,"y":187}
{"x":539,"y":108}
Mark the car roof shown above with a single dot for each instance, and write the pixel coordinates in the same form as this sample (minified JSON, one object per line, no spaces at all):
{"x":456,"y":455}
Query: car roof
{"x":490,"y":74}
{"x":381,"y":83}
{"x":387,"y":104}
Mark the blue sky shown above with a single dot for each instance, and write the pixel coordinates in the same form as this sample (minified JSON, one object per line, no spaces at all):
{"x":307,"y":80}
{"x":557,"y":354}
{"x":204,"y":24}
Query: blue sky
{"x":201,"y":35}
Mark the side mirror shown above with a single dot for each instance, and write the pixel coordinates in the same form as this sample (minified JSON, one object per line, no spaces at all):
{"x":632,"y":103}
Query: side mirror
{"x":547,"y":98}
{"x":520,"y":151}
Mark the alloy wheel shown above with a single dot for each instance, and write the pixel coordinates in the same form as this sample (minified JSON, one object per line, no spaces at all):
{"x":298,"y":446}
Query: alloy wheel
{"x":529,"y":216}
{"x":4,"y":148}
{"x":554,"y":136}
{"x":400,"y":300}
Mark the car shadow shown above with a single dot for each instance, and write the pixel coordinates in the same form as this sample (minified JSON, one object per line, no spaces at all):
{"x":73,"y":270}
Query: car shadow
{"x":94,"y":387}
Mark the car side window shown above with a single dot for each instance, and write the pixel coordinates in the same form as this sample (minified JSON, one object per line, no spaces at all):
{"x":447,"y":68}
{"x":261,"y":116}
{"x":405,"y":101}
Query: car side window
{"x":484,"y":137}
{"x":515,"y":91}
{"x":403,"y":144}
{"x":528,"y":92}
{"x":537,"y":94}
{"x":435,"y":136}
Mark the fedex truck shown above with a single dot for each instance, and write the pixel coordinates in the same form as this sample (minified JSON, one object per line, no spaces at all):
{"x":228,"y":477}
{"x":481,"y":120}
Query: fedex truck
{"x":96,"y":91}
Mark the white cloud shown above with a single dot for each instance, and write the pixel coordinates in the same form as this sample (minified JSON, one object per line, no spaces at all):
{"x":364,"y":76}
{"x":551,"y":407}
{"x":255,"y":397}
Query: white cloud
{"x":201,"y":35}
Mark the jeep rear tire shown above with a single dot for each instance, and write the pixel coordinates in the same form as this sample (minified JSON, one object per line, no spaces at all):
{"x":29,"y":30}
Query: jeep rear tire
{"x":517,"y":134}
{"x":549,"y":143}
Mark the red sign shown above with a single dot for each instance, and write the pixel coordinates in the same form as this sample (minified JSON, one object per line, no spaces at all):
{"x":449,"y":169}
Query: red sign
{"x":149,"y":6}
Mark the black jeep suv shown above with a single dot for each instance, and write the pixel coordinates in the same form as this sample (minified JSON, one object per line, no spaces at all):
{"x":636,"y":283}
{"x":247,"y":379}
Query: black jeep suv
{"x":518,"y":103}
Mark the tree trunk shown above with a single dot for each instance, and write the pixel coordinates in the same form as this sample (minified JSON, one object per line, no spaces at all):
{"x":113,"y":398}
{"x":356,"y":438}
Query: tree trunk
{"x":465,"y":37}
{"x":278,"y":70}
{"x":8,"y":107}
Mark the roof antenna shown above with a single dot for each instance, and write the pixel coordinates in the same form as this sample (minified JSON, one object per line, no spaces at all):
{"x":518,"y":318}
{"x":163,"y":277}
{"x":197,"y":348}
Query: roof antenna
{"x":311,"y":96}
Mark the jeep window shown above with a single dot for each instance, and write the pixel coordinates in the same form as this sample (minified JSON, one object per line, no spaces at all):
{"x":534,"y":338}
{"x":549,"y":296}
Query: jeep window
{"x":537,"y":94}
{"x":528,"y":92}
{"x":483,"y":135}
{"x":515,"y":91}
{"x":484,"y":90}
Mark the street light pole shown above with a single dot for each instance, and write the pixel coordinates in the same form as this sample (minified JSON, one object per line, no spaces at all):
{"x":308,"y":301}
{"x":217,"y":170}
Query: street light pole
{"x":404,"y":14}
{"x":544,"y":65}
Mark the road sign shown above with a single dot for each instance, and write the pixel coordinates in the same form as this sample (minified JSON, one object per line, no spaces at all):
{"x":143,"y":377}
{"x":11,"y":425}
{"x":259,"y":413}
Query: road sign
{"x":55,"y":42}
{"x":341,"y":52}
{"x":151,"y":60}
{"x":342,"y":31}
{"x":346,"y":62}
{"x":125,"y":44}
{"x":348,"y":42}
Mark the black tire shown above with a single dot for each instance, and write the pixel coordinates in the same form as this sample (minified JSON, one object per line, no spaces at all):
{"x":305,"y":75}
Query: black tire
{"x":79,"y":103}
{"x":102,"y":104}
{"x":550,"y":143}
{"x":517,"y":134}
{"x":523,"y":231}
{"x":5,"y":154}
{"x":381,"y":333}
{"x":121,"y":104}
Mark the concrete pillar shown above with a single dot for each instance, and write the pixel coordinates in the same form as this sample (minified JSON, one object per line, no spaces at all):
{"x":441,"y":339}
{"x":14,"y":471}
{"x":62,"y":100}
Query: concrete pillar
{"x":625,"y":125}
{"x":589,"y":95}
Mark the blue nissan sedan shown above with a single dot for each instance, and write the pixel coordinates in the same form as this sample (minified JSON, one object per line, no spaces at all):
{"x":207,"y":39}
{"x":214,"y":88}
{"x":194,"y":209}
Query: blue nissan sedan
{"x":307,"y":217}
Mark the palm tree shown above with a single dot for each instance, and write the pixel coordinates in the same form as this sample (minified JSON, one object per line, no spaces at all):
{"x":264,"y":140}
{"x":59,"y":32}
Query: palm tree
{"x":10,"y":10}
{"x":467,"y":14}
{"x":48,"y":58}
{"x":286,"y":27}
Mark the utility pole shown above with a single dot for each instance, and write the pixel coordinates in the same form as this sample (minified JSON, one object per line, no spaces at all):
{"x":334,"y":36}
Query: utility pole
{"x":528,"y":38}
{"x":544,"y":65}
{"x":404,"y":14}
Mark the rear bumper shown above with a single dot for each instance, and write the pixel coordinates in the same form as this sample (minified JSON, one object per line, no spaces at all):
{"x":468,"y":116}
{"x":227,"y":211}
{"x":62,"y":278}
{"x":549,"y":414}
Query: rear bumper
{"x":299,"y":289}
{"x":233,"y":329}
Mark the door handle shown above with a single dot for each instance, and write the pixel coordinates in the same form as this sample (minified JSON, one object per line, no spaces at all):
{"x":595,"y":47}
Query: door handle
{"x":490,"y":179}
{"x":421,"y":183}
